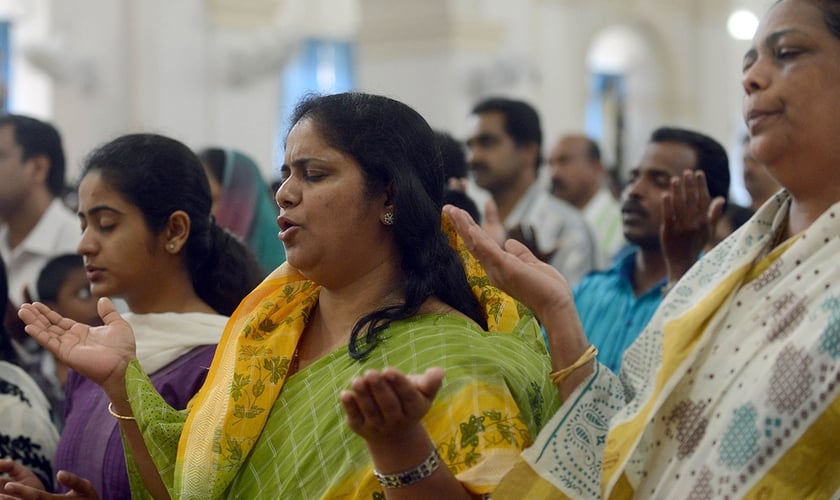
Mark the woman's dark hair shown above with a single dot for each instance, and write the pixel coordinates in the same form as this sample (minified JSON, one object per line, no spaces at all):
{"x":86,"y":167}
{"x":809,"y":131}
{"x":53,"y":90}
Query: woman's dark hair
{"x":452,"y":155}
{"x":463,"y":201}
{"x":214,"y":159}
{"x":396,"y":149}
{"x":831,"y":14}
{"x":160,"y":175}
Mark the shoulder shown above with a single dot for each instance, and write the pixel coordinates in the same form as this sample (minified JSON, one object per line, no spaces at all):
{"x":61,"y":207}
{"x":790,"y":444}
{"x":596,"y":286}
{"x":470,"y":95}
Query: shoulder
{"x":455,"y":341}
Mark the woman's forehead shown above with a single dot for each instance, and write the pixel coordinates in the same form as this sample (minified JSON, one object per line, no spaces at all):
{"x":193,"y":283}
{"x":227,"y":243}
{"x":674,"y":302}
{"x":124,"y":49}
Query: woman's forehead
{"x":801,"y":15}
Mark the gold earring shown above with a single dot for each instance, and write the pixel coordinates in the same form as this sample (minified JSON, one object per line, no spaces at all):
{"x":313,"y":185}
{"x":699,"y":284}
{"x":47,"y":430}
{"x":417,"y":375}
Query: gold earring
{"x":388,"y":218}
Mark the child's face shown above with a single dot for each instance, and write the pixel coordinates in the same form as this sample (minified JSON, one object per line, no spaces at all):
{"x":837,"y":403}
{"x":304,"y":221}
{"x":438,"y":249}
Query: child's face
{"x":75,"y":300}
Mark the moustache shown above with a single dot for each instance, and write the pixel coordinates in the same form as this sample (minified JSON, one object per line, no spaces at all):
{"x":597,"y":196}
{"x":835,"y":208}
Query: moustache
{"x":634,"y":206}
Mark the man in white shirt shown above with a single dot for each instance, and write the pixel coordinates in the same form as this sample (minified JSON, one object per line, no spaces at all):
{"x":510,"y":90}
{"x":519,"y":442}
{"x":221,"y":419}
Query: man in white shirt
{"x":505,"y":154}
{"x":579,"y":177}
{"x":34,"y":223}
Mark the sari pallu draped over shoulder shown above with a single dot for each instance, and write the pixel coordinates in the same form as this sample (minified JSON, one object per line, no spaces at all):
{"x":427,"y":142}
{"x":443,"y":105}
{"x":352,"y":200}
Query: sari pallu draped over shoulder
{"x":732,"y":390}
{"x":488,"y":410}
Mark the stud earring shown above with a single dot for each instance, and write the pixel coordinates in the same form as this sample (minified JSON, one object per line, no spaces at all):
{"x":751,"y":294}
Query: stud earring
{"x":388,"y":218}
{"x":170,"y":246}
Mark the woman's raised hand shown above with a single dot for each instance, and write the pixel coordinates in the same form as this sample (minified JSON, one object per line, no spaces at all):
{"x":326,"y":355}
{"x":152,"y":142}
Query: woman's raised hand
{"x":538,"y":285}
{"x":99,"y":353}
{"x":513,"y":268}
{"x":382,"y":405}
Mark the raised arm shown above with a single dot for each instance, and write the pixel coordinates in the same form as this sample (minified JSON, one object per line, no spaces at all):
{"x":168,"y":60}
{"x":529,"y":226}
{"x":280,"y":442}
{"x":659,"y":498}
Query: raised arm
{"x":101,"y":354}
{"x":536,"y":284}
{"x":689,"y":216}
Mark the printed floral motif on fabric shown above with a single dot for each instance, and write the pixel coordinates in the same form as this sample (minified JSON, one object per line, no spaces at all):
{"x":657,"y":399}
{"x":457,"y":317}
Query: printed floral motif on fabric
{"x":502,"y":310}
{"x":686,"y":424}
{"x":830,"y":340}
{"x":28,"y":453}
{"x":462,"y":451}
{"x":14,"y":390}
{"x":740,"y":441}
{"x":791,"y":380}
{"x":788,"y":312}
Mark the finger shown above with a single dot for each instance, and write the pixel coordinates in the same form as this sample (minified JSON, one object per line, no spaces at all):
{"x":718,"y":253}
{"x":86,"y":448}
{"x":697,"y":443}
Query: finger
{"x":521,"y":252}
{"x":491,"y":212}
{"x":39,"y":327}
{"x":430,"y":382}
{"x":18,"y":490}
{"x":78,"y":484}
{"x":690,"y":195}
{"x":355,"y":418}
{"x":715,"y":211}
{"x":107,"y":311}
{"x":669,"y":211}
{"x":413,"y":401}
{"x":477,"y":241}
{"x":677,"y":199}
{"x":31,"y":315}
{"x":53,"y":317}
{"x":703,"y":196}
{"x":365,"y":401}
{"x":461,"y":220}
{"x":388,"y":402}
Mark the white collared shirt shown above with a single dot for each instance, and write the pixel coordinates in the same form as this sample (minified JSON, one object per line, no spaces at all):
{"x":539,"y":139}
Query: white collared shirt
{"x":57,"y":232}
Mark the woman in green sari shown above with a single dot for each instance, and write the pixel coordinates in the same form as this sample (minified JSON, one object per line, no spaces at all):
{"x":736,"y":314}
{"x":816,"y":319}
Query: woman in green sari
{"x":375,"y":277}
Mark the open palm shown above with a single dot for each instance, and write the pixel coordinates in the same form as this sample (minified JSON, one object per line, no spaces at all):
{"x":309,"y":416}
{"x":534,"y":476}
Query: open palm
{"x":99,"y":353}
{"x":689,"y":215}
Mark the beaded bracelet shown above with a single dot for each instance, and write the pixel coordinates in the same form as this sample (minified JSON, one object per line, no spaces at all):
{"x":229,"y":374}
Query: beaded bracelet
{"x":405,"y":478}
{"x":560,"y":375}
{"x":117,"y":415}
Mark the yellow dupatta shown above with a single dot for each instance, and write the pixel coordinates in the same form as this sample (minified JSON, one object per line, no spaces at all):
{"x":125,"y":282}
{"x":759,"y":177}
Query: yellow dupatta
{"x":252,"y":361}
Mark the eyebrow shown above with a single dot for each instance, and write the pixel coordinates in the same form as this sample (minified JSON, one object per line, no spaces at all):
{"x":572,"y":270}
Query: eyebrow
{"x":483,"y":136}
{"x":654,"y":171}
{"x":303,"y":162}
{"x":772,"y":40}
{"x":97,"y":209}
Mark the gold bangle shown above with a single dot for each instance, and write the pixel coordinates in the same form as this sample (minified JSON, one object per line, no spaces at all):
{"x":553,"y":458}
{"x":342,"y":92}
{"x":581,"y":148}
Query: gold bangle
{"x":117,"y":415}
{"x":560,"y":375}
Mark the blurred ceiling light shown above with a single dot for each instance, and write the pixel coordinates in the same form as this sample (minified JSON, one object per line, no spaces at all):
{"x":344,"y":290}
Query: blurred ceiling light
{"x":742,"y":24}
